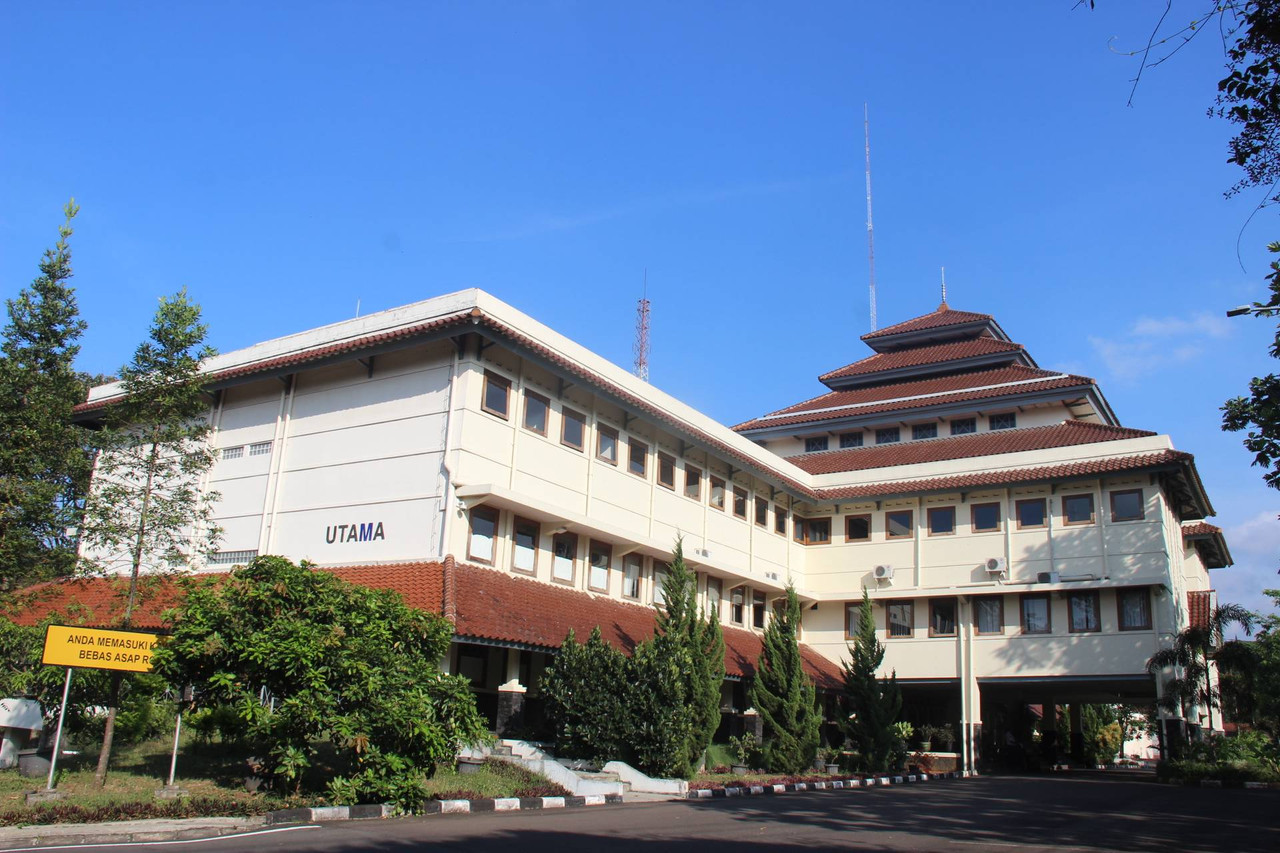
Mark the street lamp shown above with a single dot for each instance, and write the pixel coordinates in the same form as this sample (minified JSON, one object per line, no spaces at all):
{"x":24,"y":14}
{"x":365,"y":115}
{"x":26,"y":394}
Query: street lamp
{"x":1259,"y":310}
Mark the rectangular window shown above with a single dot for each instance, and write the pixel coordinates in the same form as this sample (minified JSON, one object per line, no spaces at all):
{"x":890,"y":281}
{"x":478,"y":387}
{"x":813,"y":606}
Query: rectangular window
{"x":262,"y":448}
{"x":921,"y":431}
{"x":233,"y":452}
{"x":632,"y":567}
{"x":667,"y":471}
{"x":1008,"y":420}
{"x":739,"y":502}
{"x":737,"y":599}
{"x":899,"y":524}
{"x":942,"y":520}
{"x":525,"y":554}
{"x":815,"y":444}
{"x":232,"y":558}
{"x":1077,"y":509}
{"x":888,"y":435}
{"x":762,"y":512}
{"x":1031,"y":513}
{"x":637,"y":457}
{"x":497,"y":393}
{"x":692,"y":482}
{"x":537,"y":410}
{"x":988,"y":614}
{"x":900,"y":617}
{"x":1035,"y":614}
{"x":1083,"y":612}
{"x":850,"y":439}
{"x":857,"y":528}
{"x":599,"y":556}
{"x":564,"y":556}
{"x":607,"y":444}
{"x":757,"y":609}
{"x":573,"y":429}
{"x":779,"y":520}
{"x":659,"y":585}
{"x":964,"y":426}
{"x":1135,"y":609}
{"x":717,"y":492}
{"x":1127,"y":505}
{"x":713,"y":597}
{"x":484,"y":528}
{"x":813,"y":531}
{"x":852,"y":620}
{"x":942,"y":617}
{"x":985,"y":517}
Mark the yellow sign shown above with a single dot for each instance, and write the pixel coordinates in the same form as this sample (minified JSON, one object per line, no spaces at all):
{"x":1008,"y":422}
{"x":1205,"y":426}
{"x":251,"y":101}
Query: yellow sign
{"x":94,"y":648}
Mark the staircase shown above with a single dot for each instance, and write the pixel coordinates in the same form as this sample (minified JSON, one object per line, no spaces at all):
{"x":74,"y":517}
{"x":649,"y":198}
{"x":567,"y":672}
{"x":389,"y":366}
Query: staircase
{"x":578,"y":782}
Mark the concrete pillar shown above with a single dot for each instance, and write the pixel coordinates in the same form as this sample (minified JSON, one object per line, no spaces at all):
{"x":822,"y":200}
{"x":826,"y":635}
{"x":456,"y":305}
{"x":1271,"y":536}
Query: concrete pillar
{"x":510,"y":716}
{"x":1049,"y":728}
{"x":754,"y":724}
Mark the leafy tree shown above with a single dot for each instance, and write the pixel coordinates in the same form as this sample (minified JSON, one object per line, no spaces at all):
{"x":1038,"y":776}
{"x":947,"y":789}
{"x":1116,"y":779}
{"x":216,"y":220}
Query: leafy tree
{"x":661,"y":716}
{"x":146,"y":509}
{"x":1191,"y":656}
{"x":339,"y":663}
{"x":586,"y":691}
{"x":873,"y":703}
{"x":784,"y":695}
{"x":1266,"y":678}
{"x":44,"y":466}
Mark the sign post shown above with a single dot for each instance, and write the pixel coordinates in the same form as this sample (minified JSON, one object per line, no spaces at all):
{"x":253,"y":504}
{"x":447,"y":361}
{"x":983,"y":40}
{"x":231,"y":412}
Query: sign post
{"x":57,"y":738}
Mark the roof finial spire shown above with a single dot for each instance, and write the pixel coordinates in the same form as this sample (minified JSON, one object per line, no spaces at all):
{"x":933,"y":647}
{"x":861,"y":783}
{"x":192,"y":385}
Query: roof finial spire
{"x":944,"y":306}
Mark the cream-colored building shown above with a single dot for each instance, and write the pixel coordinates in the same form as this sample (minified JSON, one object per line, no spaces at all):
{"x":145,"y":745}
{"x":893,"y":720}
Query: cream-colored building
{"x":1020,"y":546}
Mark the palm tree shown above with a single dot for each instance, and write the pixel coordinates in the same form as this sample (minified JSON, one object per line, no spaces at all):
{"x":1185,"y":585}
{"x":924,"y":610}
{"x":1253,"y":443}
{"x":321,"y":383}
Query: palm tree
{"x":1193,"y":649}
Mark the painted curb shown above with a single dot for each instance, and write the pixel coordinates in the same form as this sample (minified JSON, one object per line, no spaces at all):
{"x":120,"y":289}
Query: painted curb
{"x":829,"y":785}
{"x":442,"y":807}
{"x":89,"y":836}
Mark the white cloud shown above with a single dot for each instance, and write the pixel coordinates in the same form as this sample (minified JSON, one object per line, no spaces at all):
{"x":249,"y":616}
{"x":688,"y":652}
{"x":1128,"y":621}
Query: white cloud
{"x":1153,"y":343}
{"x":1255,"y":547}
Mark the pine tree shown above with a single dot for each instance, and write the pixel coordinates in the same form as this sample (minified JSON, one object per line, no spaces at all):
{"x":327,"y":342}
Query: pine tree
{"x":784,"y":695}
{"x":873,"y":703}
{"x":44,"y":465}
{"x":147,"y":510}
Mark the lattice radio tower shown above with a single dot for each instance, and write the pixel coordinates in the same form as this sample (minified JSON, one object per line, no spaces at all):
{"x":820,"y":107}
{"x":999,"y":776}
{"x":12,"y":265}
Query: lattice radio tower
{"x":642,"y":332}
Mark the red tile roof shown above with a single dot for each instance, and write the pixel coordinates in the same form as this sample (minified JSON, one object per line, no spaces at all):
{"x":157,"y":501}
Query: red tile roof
{"x":918,"y":393}
{"x":97,"y":602}
{"x":994,"y":443}
{"x":1199,"y":605}
{"x":1201,"y":528}
{"x":915,"y":356}
{"x":943,"y":316}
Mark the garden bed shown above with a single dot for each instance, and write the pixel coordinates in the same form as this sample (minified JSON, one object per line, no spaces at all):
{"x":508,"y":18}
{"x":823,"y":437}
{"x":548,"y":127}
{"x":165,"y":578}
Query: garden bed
{"x":713,"y":781}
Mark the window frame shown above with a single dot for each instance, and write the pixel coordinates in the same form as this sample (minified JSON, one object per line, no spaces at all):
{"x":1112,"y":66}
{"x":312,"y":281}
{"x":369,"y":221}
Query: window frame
{"x":803,"y":526}
{"x":929,"y":513}
{"x":603,"y":432}
{"x":515,"y":546}
{"x":573,"y":560}
{"x":697,"y":484}
{"x":639,"y":565}
{"x":1048,"y":612}
{"x":717,"y":605}
{"x":1044,"y":513}
{"x":546,"y":414}
{"x":716,"y":482}
{"x":866,"y":516}
{"x":852,"y":616}
{"x":855,"y":439}
{"x":908,"y":603}
{"x":780,"y":520}
{"x":482,"y":512}
{"x":977,"y":630}
{"x":633,"y":444}
{"x":666,"y":460}
{"x":566,"y":416}
{"x":739,"y":500}
{"x":1093,"y":510}
{"x":594,"y":547}
{"x":496,"y":379}
{"x":971,"y":423}
{"x":759,"y":609}
{"x":1145,"y":592}
{"x":657,"y":589}
{"x":919,"y":431}
{"x":738,"y":609}
{"x":883,"y":435}
{"x":762,"y":512}
{"x":911,"y":524}
{"x":973,"y":517}
{"x":820,"y":444}
{"x":1012,"y":424}
{"x":1096,"y":595}
{"x":955,"y":616}
{"x":1142,"y":505}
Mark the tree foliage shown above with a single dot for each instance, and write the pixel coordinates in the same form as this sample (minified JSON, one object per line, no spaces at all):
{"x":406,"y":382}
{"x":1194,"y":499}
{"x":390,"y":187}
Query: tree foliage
{"x":784,"y":696}
{"x":873,"y":703}
{"x":44,"y":464}
{"x":304,"y":657}
{"x":1189,"y":661}
{"x":586,"y":691}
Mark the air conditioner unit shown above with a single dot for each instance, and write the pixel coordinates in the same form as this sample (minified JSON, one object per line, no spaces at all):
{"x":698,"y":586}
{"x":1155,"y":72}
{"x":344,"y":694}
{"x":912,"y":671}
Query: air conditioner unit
{"x":1048,"y":577}
{"x":884,"y":573}
{"x":997,"y":566}
{"x":773,"y":576}
{"x":701,"y":552}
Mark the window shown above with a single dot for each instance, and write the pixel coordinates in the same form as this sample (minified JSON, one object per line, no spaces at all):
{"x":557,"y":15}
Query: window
{"x":815,"y":444}
{"x":667,"y":471}
{"x":985,"y":517}
{"x":1031,"y":513}
{"x":497,"y":393}
{"x":857,"y":528}
{"x":537,"y":409}
{"x":899,"y":617}
{"x":1035,"y":614}
{"x":484,"y":527}
{"x":852,"y":620}
{"x":1083,"y":612}
{"x":524,"y":557}
{"x":632,"y":568}
{"x":1135,"y":609}
{"x":1127,"y":505}
{"x":988,"y":614}
{"x":920,"y":431}
{"x":564,"y":556}
{"x":717,"y":492}
{"x":942,"y":617}
{"x":232,"y":452}
{"x":637,"y":457}
{"x":473,"y":664}
{"x":779,"y":520}
{"x":899,"y":524}
{"x":964,"y":426}
{"x":888,"y":435}
{"x":737,"y":597}
{"x":1077,"y":509}
{"x":713,"y":597}
{"x":232,"y":558}
{"x":757,"y":609}
{"x":942,"y":520}
{"x":813,"y":531}
{"x":739,"y":502}
{"x":573,"y":429}
{"x":850,"y":439}
{"x":262,"y":448}
{"x":607,"y":444}
{"x":692,"y":482}
{"x":1008,"y":420}
{"x":598,"y":557}
{"x":762,"y":512}
{"x":659,"y":585}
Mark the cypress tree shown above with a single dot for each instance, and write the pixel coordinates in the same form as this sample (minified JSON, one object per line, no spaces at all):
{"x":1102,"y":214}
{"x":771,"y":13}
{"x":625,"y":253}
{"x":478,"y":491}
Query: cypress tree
{"x":872,"y":703}
{"x":784,"y":695}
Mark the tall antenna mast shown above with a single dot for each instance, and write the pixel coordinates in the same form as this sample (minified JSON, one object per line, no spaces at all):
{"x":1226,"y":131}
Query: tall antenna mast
{"x":944,"y":285}
{"x":871,"y":234}
{"x":642,"y":331}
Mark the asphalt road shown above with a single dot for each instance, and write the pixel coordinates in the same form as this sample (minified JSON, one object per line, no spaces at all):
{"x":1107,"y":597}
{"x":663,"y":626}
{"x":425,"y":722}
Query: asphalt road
{"x":1069,"y":812}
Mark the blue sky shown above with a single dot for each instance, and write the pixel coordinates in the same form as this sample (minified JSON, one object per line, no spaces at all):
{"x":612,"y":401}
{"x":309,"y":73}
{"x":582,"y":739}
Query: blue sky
{"x":284,"y":161}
